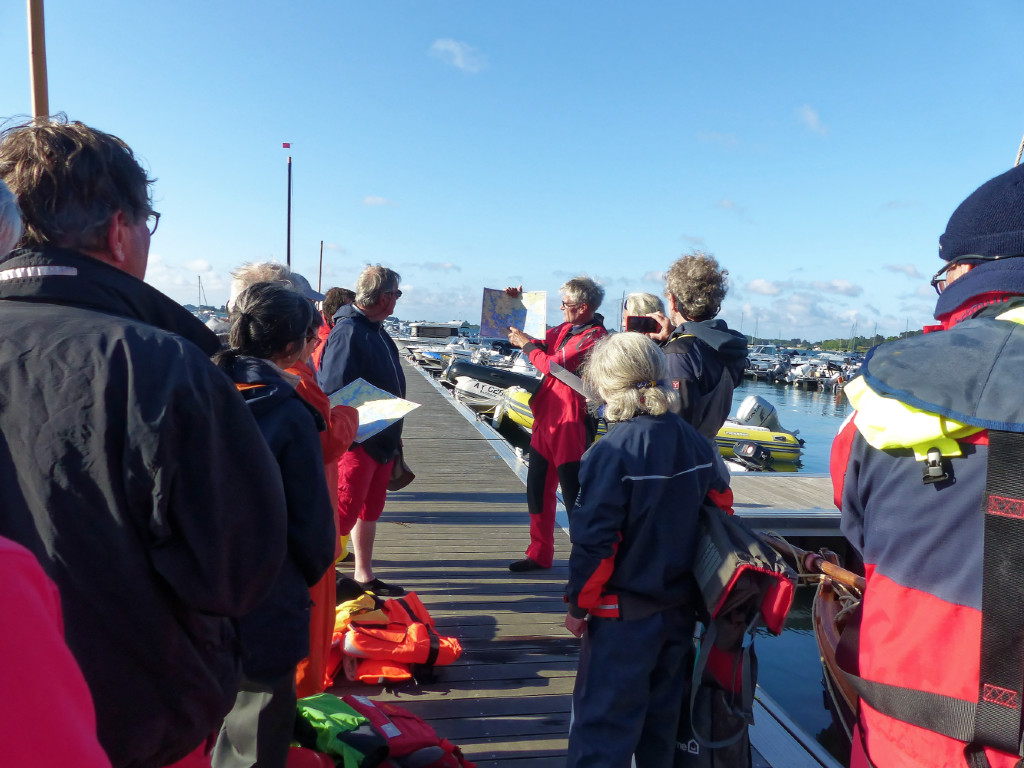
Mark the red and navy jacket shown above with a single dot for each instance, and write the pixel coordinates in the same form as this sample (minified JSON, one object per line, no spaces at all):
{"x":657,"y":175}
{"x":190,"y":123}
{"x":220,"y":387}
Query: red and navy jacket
{"x":922,"y":544}
{"x":558,"y":411}
{"x":634,"y":527}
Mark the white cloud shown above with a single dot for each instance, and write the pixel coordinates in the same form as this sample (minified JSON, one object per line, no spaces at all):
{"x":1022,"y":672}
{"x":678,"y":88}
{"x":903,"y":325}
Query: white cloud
{"x":839,"y":287}
{"x":694,"y":240}
{"x":198,"y":265}
{"x":654,"y":276}
{"x":766,"y":287}
{"x":460,"y":55}
{"x":728,"y":205}
{"x":905,"y":269}
{"x":181,"y":281}
{"x":808,"y":115}
{"x":437,"y":266}
{"x":375,"y":200}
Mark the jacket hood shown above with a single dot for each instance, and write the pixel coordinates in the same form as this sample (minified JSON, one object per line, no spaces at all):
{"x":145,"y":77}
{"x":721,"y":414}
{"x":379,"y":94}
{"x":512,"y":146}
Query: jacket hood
{"x":52,"y":275}
{"x":349,"y":310}
{"x":264,"y":386}
{"x":716,"y":334}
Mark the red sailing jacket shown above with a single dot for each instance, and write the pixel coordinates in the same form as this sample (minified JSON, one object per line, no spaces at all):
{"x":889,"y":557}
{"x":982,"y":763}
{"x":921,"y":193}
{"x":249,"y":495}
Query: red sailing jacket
{"x":558,"y":411}
{"x":923,"y":547}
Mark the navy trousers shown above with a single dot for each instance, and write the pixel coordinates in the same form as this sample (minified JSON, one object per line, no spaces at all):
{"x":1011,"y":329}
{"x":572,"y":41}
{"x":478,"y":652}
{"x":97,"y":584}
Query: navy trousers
{"x":630,"y":687}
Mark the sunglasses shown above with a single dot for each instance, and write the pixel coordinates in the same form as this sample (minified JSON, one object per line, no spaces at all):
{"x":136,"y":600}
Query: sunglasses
{"x":938,"y":281}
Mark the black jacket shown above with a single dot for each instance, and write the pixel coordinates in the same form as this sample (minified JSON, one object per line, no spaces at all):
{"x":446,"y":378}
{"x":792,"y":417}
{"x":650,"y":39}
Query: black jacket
{"x":361,"y":349}
{"x":705,"y":364}
{"x":275,"y":635}
{"x":125,"y":457}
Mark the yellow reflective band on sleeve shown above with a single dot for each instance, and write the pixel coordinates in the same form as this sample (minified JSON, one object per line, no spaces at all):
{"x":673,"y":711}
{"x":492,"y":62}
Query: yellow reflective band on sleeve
{"x":888,"y":423}
{"x":1013,"y":315}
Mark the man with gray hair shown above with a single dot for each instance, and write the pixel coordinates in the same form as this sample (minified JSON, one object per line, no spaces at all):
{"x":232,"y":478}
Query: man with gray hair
{"x":705,"y":357}
{"x":131,"y":468}
{"x":559,"y":415}
{"x":358,"y":347}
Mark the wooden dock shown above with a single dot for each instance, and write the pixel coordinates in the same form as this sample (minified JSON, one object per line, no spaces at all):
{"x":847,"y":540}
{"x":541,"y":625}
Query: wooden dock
{"x":449,"y":537}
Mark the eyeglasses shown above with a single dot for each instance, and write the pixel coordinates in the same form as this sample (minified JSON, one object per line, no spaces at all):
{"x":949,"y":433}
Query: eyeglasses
{"x":938,"y":281}
{"x":312,"y":337}
{"x":569,"y":306}
{"x":396,"y":293}
{"x":152,"y":222}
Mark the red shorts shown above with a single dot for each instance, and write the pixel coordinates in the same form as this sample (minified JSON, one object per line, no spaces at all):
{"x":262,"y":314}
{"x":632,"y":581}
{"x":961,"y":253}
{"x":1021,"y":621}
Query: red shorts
{"x":362,"y":488}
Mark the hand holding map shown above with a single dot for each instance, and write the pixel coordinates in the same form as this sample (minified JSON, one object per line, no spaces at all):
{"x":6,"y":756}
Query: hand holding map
{"x":528,"y":312}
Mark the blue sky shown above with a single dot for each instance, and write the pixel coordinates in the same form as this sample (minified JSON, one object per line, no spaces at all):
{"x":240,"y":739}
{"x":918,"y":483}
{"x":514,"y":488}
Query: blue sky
{"x":816,"y":149}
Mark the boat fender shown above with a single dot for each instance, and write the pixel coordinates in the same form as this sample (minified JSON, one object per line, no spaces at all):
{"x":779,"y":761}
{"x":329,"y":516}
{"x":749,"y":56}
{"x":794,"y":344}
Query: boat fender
{"x":934,"y":467}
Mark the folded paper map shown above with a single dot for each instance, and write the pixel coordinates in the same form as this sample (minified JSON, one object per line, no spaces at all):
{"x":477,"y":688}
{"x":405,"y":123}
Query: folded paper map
{"x":528,"y":313}
{"x":377,"y":409}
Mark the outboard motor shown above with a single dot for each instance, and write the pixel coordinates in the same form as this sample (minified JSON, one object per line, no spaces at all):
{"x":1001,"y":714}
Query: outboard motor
{"x":752,"y":456}
{"x":755,"y":411}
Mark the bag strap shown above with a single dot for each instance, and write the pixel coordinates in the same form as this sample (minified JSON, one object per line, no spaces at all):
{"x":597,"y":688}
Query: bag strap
{"x":435,"y":639}
{"x":746,"y":706}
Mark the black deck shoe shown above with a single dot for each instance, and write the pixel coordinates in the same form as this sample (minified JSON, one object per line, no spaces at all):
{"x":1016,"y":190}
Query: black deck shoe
{"x":526,"y":564}
{"x":382,"y":589}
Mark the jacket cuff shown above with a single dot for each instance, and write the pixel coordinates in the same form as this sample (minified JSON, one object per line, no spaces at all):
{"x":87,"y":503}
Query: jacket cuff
{"x":529,"y":346}
{"x":574,"y":610}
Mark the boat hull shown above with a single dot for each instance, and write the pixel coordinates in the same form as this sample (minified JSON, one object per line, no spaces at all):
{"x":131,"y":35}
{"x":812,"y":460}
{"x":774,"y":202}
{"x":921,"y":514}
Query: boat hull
{"x":783,"y":446}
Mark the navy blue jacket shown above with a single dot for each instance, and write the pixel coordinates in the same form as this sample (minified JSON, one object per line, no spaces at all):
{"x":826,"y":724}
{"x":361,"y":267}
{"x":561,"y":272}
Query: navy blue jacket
{"x":705,"y":364}
{"x":275,"y":635}
{"x":634,"y":527}
{"x":361,"y":349}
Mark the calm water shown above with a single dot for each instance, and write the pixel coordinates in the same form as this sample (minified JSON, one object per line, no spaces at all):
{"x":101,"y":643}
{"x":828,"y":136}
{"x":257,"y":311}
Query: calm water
{"x":789,"y":666}
{"x":818,"y":416}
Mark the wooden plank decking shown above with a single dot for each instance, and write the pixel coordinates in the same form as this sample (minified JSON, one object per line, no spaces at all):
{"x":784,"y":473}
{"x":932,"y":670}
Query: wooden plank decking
{"x":449,"y":537}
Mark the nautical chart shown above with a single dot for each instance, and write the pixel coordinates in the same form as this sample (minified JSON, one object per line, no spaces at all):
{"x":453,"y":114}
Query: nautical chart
{"x":528,"y":313}
{"x":377,"y":409}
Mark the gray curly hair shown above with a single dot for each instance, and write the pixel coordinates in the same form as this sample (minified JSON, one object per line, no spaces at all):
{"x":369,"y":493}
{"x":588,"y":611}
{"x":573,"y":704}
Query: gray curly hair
{"x":373,"y":281}
{"x":583,"y":290}
{"x":628,"y":373}
{"x":698,"y":285}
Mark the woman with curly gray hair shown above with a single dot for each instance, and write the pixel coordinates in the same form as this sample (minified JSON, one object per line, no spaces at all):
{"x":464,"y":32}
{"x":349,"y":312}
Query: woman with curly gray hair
{"x":631,"y":592}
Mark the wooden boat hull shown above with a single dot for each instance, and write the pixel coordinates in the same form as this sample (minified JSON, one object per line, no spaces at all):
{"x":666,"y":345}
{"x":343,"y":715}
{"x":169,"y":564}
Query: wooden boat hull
{"x":828,"y":620}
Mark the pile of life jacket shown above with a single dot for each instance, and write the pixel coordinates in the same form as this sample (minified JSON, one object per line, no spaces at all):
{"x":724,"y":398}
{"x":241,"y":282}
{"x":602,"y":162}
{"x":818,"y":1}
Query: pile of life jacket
{"x":355,"y":732}
{"x":387,"y":642}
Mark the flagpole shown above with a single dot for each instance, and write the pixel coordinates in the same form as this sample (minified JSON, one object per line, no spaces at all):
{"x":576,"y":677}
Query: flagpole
{"x":320,"y":272}
{"x":37,"y":59}
{"x":288,"y":247}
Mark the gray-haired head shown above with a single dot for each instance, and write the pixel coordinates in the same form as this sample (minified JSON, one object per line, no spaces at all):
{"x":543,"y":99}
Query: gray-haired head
{"x":10,"y":220}
{"x":373,"y":282}
{"x":643,"y":304}
{"x":583,"y":290}
{"x":697,"y":284}
{"x":628,"y":372}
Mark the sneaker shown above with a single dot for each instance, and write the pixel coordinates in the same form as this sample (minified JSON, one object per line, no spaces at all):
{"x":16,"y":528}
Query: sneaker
{"x":526,"y":564}
{"x":382,"y":589}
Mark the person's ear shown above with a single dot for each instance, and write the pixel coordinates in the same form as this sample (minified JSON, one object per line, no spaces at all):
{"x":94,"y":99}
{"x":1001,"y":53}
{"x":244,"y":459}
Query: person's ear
{"x":117,"y":232}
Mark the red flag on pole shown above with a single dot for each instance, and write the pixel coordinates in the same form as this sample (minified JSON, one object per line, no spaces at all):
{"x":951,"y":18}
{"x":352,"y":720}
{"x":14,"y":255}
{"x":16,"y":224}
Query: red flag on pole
{"x":286,"y":145}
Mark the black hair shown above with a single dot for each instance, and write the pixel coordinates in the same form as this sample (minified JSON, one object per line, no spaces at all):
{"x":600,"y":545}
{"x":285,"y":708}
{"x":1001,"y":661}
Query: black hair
{"x":268,"y":320}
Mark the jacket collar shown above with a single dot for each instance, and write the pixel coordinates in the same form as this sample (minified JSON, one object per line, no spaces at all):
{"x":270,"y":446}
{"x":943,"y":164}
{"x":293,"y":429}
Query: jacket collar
{"x":50,"y":275}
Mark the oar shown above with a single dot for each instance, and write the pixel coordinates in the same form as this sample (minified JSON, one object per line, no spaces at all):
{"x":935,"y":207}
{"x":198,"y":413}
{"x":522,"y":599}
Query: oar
{"x":815,"y":563}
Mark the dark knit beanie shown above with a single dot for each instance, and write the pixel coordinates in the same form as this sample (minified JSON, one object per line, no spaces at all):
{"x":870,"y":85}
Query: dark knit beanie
{"x":990,"y":221}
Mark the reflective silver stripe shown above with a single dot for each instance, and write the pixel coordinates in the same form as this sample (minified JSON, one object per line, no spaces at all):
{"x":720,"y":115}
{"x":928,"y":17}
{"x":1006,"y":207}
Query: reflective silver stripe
{"x":668,"y":477}
{"x":607,"y":607}
{"x":19,"y":272}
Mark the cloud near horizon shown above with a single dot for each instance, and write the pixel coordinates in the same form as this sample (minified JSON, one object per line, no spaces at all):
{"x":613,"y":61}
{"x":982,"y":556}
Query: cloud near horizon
{"x":808,"y":115}
{"x":905,"y":269}
{"x":377,"y":200}
{"x":459,"y":55}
